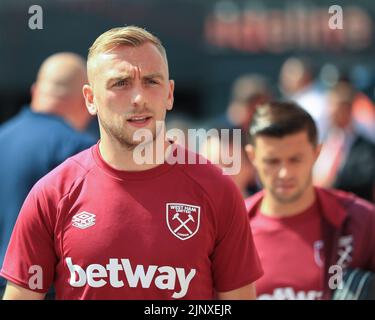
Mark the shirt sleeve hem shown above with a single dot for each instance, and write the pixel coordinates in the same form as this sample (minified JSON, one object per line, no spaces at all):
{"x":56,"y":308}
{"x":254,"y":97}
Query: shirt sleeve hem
{"x":19,"y":282}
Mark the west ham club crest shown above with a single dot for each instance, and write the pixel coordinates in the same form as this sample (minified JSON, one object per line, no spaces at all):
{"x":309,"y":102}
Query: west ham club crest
{"x":183,"y":219}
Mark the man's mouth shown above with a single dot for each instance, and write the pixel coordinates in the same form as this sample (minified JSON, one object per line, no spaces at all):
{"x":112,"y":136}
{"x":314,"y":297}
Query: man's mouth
{"x":285,"y":185}
{"x":139,"y":121}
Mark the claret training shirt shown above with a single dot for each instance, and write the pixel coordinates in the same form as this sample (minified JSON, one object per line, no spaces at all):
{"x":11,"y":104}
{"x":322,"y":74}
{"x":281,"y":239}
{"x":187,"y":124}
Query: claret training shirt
{"x":171,"y":232}
{"x":291,"y":255}
{"x":297,"y":252}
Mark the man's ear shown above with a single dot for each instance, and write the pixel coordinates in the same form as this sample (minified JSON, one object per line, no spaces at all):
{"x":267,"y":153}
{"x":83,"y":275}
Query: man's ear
{"x":89,"y":99}
{"x":250,"y":152}
{"x":32,"y":89}
{"x":170,"y":95}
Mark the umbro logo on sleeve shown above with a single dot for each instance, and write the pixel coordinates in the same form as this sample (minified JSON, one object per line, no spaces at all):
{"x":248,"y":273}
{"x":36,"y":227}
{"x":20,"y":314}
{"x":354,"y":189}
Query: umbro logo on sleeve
{"x":83,"y":220}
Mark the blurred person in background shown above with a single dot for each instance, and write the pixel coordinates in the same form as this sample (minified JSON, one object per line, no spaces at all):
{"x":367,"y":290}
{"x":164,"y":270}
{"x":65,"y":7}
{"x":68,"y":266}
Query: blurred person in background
{"x":364,"y":115}
{"x":245,"y":178}
{"x":305,"y":235}
{"x":248,"y":91}
{"x":347,"y":159}
{"x":297,"y":83}
{"x":41,"y":136}
{"x":183,"y":122}
{"x":363,"y":79}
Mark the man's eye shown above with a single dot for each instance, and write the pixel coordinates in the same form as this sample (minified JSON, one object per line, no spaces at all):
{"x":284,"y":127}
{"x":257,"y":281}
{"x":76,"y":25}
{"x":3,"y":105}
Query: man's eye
{"x":151,"y":81}
{"x":296,"y":160}
{"x":120,"y":83}
{"x":271,"y":162}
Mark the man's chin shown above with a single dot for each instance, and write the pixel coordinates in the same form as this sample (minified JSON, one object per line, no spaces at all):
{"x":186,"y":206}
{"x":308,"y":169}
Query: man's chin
{"x":131,"y":143}
{"x":285,"y":197}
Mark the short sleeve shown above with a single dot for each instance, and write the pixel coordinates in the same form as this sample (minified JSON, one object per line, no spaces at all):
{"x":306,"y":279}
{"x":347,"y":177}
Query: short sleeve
{"x":30,"y":258}
{"x":235,"y":260}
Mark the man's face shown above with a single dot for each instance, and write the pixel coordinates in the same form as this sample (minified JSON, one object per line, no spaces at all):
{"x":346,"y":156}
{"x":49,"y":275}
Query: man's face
{"x":339,"y":111}
{"x":130,"y":89}
{"x":284,"y":165}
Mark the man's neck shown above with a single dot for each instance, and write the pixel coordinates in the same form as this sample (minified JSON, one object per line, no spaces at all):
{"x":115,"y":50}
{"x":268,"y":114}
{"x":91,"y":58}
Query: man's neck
{"x":121,"y":158}
{"x":273,"y":208}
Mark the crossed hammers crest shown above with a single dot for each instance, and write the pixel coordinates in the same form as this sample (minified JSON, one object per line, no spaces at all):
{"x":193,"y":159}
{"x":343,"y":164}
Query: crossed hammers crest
{"x":183,"y":223}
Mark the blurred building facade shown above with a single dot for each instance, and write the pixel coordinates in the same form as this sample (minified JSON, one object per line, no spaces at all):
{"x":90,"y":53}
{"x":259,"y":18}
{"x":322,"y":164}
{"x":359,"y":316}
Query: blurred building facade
{"x":209,"y":43}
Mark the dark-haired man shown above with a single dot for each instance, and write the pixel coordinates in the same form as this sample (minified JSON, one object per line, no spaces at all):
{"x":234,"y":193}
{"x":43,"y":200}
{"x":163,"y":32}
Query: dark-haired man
{"x":306,"y":236}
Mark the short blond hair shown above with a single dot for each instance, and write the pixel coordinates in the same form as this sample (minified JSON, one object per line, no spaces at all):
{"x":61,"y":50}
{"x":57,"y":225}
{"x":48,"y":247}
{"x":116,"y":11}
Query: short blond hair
{"x":128,"y":36}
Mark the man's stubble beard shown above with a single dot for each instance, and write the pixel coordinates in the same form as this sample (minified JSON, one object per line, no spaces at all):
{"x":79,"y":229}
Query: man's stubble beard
{"x":118,"y":134}
{"x":294,"y":197}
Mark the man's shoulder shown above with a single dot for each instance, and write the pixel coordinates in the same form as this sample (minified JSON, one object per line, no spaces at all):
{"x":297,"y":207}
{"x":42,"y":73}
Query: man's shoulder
{"x":330,"y":199}
{"x":351,"y":203}
{"x":205,"y":176}
{"x":42,"y":127}
{"x":359,"y":225}
{"x":65,"y":133}
{"x":62,"y":178}
{"x":11,"y":125}
{"x":198,"y":168}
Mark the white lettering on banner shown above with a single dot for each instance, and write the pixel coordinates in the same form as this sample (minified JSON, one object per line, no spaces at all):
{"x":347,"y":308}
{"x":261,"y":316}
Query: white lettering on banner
{"x":164,"y":277}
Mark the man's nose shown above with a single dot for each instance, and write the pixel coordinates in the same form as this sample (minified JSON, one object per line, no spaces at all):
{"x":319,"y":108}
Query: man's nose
{"x":283,"y":172}
{"x":137,"y":96}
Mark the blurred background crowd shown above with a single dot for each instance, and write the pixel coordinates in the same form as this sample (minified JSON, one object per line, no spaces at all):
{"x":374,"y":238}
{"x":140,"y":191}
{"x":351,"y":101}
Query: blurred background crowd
{"x":227,"y":57}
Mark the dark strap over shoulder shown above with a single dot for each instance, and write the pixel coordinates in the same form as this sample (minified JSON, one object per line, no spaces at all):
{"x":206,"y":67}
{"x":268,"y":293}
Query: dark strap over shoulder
{"x":330,"y":238}
{"x":357,"y":284}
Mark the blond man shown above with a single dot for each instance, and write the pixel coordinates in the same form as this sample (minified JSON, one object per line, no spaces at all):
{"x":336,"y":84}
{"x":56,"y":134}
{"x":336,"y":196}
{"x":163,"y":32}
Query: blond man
{"x":104,"y":226}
